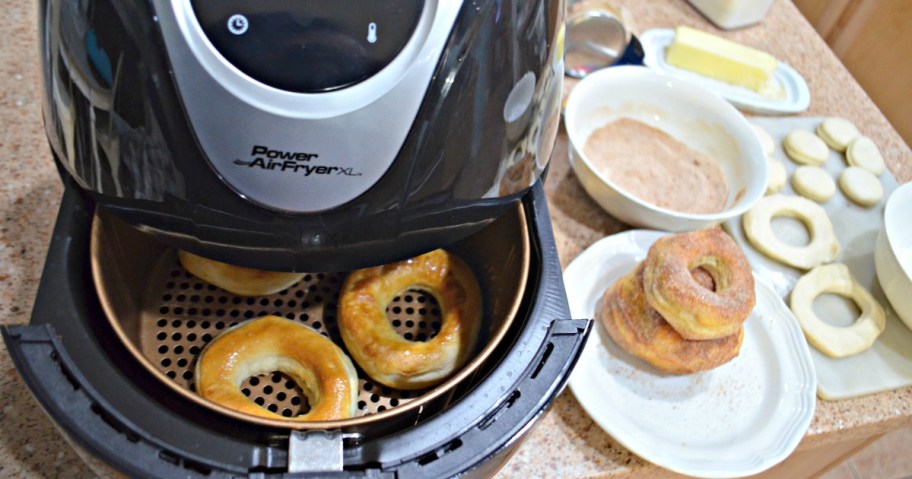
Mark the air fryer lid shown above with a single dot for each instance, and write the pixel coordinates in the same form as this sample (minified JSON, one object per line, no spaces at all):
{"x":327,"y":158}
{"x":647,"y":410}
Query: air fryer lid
{"x":165,"y":316}
{"x":202,"y":150}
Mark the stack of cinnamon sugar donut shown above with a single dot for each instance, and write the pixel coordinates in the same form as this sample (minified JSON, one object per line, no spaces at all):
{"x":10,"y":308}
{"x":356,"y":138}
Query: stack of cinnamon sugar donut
{"x":682,"y":309}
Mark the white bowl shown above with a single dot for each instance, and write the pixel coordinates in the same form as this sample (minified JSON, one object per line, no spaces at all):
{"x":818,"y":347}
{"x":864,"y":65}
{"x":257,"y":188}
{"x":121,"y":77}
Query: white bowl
{"x":893,"y":252}
{"x":683,"y":110}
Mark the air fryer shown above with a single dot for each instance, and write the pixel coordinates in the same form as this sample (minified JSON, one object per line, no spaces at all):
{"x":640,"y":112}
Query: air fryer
{"x":316,"y":137}
{"x":323,"y":135}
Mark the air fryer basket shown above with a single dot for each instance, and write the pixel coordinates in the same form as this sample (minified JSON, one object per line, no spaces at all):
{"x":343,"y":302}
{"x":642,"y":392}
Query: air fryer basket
{"x":165,"y":316}
{"x":111,"y":406}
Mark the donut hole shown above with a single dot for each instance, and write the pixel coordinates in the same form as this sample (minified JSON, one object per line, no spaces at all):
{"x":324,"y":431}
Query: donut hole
{"x":836,"y":310}
{"x":704,"y":278}
{"x":277,"y":392}
{"x":791,"y":231}
{"x":415,"y":315}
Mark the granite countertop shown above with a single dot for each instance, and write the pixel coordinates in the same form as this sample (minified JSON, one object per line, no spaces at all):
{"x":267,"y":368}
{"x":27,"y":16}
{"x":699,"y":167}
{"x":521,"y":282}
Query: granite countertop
{"x":565,"y":443}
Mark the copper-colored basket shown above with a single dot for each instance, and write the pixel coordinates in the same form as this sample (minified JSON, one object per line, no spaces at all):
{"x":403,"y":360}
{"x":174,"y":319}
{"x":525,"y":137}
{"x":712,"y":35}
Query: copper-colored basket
{"x":165,"y":316}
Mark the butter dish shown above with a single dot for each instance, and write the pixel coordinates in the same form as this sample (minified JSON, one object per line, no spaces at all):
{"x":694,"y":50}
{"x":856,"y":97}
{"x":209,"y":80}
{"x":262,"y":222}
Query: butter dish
{"x":791,"y":95}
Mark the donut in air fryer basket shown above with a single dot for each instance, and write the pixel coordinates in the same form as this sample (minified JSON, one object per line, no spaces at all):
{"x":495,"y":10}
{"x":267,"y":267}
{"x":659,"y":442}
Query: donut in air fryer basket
{"x":237,"y":279}
{"x":320,"y":368}
{"x":386,"y":356}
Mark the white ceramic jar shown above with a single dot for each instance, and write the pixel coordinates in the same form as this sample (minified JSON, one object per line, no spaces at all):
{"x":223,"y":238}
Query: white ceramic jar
{"x":730,"y":14}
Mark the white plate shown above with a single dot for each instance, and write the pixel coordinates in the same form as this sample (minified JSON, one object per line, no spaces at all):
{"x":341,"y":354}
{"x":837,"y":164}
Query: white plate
{"x":733,"y":421}
{"x":795,"y":96}
{"x":856,"y":228}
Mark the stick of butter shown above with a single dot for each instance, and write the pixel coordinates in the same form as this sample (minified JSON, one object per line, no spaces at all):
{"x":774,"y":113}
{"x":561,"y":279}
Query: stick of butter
{"x":721,"y":59}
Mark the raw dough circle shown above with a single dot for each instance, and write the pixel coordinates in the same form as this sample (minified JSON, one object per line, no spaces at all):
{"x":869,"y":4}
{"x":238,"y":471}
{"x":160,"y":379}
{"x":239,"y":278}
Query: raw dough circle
{"x":766,"y":141}
{"x":823,"y":246}
{"x":837,"y":133}
{"x":834,"y":341}
{"x":813,"y":183}
{"x":777,"y":178}
{"x":805,"y":148}
{"x":861,"y":186}
{"x":863,"y":152}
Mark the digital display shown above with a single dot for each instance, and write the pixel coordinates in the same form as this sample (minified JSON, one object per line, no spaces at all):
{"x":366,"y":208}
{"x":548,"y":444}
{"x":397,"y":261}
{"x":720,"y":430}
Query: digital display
{"x":309,"y":46}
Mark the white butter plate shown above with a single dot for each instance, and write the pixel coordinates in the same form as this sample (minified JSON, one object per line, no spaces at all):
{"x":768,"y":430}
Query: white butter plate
{"x":795,"y":97}
{"x":733,"y":421}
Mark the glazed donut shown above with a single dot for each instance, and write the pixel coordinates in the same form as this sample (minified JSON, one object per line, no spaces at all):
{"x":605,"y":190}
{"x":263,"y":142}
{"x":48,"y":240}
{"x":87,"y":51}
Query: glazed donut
{"x":387,"y":357}
{"x":237,"y":279}
{"x":695,"y":311}
{"x":321,"y":369}
{"x":640,"y":330}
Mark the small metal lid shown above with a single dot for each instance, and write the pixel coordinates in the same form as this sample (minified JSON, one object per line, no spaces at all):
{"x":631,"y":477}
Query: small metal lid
{"x":595,"y":39}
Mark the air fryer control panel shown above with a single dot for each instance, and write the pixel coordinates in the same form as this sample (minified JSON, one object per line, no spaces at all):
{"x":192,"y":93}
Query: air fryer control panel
{"x":302,"y":105}
{"x":309,"y":46}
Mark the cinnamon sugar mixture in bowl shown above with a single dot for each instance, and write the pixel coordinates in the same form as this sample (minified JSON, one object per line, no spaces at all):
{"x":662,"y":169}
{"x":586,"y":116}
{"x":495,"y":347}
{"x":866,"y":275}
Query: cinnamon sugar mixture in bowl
{"x":657,"y":168}
{"x":662,"y":153}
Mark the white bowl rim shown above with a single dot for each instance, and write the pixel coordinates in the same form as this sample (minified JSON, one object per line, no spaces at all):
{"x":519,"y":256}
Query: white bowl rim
{"x":646,"y":74}
{"x":901,"y":196}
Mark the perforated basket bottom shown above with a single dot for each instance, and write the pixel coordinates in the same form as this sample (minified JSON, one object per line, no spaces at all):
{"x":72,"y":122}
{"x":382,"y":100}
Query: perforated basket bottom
{"x":183,"y":313}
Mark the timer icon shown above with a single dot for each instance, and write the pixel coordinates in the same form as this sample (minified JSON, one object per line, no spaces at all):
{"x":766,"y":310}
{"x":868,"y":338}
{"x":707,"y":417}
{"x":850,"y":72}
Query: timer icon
{"x":238,"y":24}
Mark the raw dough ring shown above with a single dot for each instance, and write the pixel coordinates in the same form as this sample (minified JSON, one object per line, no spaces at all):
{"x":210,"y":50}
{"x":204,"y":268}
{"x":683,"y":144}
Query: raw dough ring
{"x":268,"y":344}
{"x":698,"y":313}
{"x":641,"y":331}
{"x":831,"y":340}
{"x":823,"y":247}
{"x":385,"y":355}
{"x":237,"y":279}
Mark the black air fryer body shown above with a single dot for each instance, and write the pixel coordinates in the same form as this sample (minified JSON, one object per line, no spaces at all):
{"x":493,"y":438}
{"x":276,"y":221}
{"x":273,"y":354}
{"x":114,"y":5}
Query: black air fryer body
{"x":297,"y":135}
{"x":321,"y":135}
